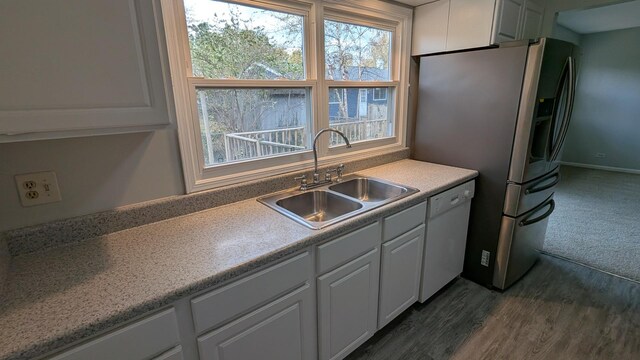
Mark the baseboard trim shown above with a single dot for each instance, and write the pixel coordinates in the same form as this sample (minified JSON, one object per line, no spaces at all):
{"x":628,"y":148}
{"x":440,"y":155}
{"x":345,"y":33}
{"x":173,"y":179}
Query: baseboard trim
{"x":601,"y":167}
{"x":588,"y":266}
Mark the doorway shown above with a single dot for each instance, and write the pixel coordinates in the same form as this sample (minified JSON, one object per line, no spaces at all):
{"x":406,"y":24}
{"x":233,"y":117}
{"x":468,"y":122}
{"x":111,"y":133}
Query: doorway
{"x":597,"y":219}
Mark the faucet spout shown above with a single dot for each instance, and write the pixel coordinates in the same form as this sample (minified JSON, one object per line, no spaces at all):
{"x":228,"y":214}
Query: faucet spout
{"x":315,"y":149}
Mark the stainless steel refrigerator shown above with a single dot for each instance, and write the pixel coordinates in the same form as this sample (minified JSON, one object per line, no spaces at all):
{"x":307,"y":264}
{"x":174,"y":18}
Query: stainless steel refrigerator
{"x":505,"y":112}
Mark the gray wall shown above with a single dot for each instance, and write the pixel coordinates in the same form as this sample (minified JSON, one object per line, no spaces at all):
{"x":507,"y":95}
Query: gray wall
{"x":562,"y":33}
{"x":607,"y":110}
{"x":554,"y":6}
{"x":94,"y":173}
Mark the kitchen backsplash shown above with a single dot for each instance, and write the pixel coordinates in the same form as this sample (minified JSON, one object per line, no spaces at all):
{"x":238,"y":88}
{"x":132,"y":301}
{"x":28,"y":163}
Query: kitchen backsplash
{"x":62,"y":232}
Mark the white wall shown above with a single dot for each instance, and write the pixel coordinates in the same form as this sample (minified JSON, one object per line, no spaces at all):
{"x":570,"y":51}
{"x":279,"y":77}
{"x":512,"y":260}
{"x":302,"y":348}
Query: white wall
{"x":94,"y":173}
{"x":606,"y":117}
{"x":100,"y":172}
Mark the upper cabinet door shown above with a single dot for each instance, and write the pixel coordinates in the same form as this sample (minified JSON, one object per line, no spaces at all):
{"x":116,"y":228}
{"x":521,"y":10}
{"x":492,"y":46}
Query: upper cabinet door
{"x":430,"y":27}
{"x":508,"y":21}
{"x":79,"y":66}
{"x":470,"y":23}
{"x":532,"y":20}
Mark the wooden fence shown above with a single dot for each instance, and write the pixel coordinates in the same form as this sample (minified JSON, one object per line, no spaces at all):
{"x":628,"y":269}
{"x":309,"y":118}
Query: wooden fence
{"x":252,"y":144}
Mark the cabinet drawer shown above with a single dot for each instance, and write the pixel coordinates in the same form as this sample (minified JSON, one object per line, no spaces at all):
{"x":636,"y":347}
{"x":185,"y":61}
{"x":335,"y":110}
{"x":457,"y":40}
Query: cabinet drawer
{"x":347,"y":247}
{"x":404,"y":221}
{"x":281,"y":330}
{"x":214,"y":308}
{"x":140,"y":340}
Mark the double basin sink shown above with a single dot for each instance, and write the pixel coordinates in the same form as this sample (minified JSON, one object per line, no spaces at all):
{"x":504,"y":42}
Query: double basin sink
{"x":335,"y":202}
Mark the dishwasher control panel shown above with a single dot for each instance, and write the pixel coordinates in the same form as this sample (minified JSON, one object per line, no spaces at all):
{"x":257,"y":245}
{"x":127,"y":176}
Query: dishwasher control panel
{"x":449,"y":199}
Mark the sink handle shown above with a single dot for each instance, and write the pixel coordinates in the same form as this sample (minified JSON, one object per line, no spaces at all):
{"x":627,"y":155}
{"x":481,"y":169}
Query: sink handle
{"x":327,"y":174}
{"x":339,"y":171}
{"x":303,"y":181}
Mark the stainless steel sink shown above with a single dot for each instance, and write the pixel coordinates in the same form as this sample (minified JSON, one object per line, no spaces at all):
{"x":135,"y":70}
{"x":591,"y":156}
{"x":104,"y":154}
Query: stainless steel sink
{"x":318,"y":206}
{"x":369,"y":190}
{"x":333,"y":203}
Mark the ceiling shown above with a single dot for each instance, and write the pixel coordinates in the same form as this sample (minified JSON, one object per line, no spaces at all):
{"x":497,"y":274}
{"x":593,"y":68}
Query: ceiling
{"x":606,"y":18}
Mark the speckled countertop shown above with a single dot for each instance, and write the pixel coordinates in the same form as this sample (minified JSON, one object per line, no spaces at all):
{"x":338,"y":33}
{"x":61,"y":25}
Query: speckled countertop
{"x":56,"y":297}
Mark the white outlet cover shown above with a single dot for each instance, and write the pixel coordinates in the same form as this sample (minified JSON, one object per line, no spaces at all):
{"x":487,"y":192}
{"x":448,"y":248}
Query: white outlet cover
{"x":38,"y":188}
{"x":485,"y":258}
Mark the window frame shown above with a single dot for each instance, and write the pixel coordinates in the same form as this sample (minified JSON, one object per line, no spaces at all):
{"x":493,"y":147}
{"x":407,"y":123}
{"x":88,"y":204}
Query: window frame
{"x":375,"y":14}
{"x":373,"y":95}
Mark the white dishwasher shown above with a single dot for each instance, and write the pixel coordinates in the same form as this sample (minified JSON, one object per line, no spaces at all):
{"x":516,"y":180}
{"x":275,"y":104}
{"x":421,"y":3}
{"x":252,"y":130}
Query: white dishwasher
{"x":446,"y":238}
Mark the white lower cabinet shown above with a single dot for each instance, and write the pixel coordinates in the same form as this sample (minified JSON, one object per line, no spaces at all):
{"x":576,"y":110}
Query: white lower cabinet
{"x":140,"y":340}
{"x":400,"y":274}
{"x":348,"y":306}
{"x":281,"y":330}
{"x":268,"y":315}
{"x":321,"y":303}
{"x":173,"y":354}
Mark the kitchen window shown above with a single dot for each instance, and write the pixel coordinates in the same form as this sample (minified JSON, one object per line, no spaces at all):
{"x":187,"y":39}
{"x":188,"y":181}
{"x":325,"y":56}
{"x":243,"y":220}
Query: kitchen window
{"x":255,"y":80}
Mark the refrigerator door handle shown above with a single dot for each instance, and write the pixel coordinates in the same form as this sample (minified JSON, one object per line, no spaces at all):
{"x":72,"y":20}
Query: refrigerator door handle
{"x":533,"y":189}
{"x":526,"y":221}
{"x":571,"y":88}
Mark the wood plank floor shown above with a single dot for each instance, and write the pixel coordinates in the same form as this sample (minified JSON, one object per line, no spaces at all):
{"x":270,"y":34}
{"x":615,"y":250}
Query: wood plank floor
{"x":560,"y":310}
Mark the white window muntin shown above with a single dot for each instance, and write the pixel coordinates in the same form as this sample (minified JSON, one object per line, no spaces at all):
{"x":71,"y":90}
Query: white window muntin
{"x":363,"y":18}
{"x":385,"y":15}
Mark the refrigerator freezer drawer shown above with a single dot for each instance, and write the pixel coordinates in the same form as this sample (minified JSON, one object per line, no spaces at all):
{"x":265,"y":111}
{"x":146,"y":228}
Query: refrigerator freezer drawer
{"x":522,"y":198}
{"x":520,"y":242}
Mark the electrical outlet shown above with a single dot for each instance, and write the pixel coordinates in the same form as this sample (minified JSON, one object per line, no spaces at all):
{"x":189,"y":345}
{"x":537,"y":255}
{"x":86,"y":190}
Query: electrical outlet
{"x":38,"y":188}
{"x":485,"y":258}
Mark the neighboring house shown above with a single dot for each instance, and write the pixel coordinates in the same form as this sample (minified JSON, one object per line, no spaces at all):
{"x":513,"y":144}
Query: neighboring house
{"x":288,"y":109}
{"x":359,"y":104}
{"x":283,"y":110}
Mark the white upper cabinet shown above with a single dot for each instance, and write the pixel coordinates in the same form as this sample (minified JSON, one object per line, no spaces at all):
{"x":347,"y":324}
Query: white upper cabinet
{"x":80,"y":67}
{"x":532,"y":20}
{"x":508,"y":20}
{"x":448,"y":25}
{"x":430,"y":32}
{"x":469,"y":24}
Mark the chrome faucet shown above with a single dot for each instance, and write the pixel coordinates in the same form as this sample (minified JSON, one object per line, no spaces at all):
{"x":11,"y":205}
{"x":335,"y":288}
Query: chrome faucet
{"x":327,"y":177}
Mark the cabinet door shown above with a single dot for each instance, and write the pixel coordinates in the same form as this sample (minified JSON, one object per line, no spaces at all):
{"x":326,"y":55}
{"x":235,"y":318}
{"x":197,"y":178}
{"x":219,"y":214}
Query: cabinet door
{"x":430,"y":27}
{"x":281,"y":330}
{"x":173,"y":354}
{"x":348,"y":306}
{"x":80,"y":67}
{"x":532,"y":20}
{"x":470,"y":24}
{"x":508,"y":21}
{"x":400,"y":273}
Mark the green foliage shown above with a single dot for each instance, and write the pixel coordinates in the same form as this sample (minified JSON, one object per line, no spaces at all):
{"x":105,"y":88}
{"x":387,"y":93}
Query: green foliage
{"x":354,"y":46}
{"x":230,"y":49}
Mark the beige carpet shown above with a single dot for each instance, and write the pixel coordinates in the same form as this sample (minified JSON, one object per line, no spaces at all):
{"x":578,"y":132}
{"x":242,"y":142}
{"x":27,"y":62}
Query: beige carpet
{"x":597,"y":220}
